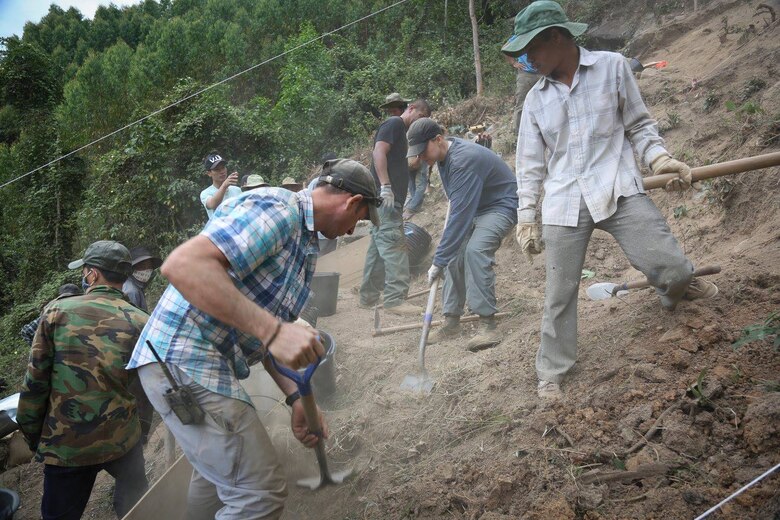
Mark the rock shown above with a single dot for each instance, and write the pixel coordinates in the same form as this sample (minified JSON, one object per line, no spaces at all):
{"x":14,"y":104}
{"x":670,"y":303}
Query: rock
{"x":500,"y":494}
{"x":557,"y":508}
{"x":762,"y":424}
{"x":679,"y":436}
{"x":695,"y":323}
{"x":445,"y":472}
{"x":673,"y":335}
{"x":680,"y":359}
{"x":591,"y":497}
{"x":600,"y":254}
{"x":689,"y":346}
{"x":494,"y":516}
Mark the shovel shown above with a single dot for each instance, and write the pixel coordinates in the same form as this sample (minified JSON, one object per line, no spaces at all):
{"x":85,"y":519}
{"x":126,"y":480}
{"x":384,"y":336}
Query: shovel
{"x":312,"y":420}
{"x":604,"y":290}
{"x":422,"y":382}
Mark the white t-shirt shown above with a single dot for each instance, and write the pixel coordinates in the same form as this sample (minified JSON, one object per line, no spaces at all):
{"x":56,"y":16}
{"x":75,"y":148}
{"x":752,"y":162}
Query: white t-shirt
{"x":232,"y":191}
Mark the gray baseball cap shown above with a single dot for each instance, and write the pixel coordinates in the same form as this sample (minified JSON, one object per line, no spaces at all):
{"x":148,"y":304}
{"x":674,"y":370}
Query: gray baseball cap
{"x":106,"y":254}
{"x":353,"y":177}
{"x":421,"y":131}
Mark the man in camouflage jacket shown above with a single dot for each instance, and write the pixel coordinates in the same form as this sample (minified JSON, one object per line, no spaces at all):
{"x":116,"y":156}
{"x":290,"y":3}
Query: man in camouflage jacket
{"x":75,"y":409}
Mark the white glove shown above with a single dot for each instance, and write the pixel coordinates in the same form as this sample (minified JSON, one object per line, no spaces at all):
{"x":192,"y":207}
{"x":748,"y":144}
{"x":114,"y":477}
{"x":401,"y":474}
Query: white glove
{"x":388,"y":199}
{"x":665,"y":164}
{"x":433,"y":273}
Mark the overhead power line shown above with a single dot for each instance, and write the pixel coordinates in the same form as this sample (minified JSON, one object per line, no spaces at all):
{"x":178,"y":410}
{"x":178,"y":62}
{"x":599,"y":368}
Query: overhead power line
{"x":201,"y":91}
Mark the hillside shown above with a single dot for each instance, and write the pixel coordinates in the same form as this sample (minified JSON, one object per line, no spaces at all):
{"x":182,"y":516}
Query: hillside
{"x":482,"y":446}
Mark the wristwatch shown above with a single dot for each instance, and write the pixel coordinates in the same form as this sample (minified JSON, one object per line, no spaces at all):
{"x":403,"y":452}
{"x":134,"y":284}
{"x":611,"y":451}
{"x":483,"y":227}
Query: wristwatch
{"x":290,"y":399}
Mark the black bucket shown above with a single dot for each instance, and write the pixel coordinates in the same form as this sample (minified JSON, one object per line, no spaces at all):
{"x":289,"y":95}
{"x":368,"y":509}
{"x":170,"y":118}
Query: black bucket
{"x":324,"y":379}
{"x":9,"y":503}
{"x":418,"y":243}
{"x":325,"y":289}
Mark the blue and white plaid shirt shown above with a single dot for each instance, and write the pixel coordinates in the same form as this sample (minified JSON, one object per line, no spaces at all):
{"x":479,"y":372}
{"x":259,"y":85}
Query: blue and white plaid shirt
{"x":268,"y":238}
{"x":578,"y":141}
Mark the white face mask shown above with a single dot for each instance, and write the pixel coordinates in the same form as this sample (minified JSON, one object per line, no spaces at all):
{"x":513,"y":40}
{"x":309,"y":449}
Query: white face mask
{"x":143,"y":276}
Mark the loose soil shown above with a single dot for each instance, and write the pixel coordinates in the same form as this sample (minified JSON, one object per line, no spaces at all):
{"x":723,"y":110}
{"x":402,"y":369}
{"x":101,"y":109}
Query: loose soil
{"x":482,"y":445}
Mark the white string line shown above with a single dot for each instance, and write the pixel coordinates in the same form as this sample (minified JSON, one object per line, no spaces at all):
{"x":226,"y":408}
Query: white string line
{"x":737,"y":492}
{"x":199,"y":92}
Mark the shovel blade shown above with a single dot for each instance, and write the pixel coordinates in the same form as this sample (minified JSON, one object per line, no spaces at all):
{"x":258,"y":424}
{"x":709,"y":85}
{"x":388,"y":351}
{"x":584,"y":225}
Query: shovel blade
{"x":603,"y":291}
{"x":335,"y":478}
{"x":418,"y":383}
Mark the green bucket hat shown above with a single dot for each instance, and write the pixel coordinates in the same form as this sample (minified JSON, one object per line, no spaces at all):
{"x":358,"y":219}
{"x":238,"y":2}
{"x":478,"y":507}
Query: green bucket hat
{"x":108,"y":255}
{"x":534,"y":19}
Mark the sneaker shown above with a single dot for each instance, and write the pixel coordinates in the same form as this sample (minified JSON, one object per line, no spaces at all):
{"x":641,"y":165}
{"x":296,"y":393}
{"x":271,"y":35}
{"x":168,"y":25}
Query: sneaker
{"x":701,"y":289}
{"x":487,"y":335}
{"x":449,"y":330}
{"x":405,"y":309}
{"x":549,"y":390}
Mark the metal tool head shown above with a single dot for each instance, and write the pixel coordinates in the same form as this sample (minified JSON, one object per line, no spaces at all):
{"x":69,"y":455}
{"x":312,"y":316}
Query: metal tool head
{"x":335,"y":478}
{"x":421,"y":383}
{"x":603,"y":290}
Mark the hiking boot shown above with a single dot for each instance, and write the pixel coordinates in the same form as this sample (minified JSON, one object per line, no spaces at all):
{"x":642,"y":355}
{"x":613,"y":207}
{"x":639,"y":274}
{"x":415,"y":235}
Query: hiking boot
{"x":700,"y":289}
{"x":487,"y":335}
{"x":449,"y":330}
{"x":405,"y":309}
{"x":369,"y":306}
{"x":549,"y":390}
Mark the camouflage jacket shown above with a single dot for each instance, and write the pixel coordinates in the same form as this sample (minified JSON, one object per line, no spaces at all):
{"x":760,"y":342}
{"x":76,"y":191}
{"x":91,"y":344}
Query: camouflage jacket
{"x":75,"y":408}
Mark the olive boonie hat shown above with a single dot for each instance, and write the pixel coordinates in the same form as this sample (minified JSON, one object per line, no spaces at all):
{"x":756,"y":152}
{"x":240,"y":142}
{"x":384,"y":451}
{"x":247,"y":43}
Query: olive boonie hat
{"x":353,"y":177}
{"x":108,"y":255}
{"x":421,"y":131}
{"x":534,"y":19}
{"x":394,"y":100}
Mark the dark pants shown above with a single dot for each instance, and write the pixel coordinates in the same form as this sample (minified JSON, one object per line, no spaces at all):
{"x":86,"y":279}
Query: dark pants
{"x":66,"y":489}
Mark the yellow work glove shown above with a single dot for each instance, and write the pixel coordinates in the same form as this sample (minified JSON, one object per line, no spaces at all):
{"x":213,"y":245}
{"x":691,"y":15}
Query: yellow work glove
{"x":665,"y":164}
{"x":529,"y":240}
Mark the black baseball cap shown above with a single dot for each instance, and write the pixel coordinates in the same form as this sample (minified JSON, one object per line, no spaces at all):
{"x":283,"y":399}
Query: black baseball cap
{"x":421,"y":131}
{"x":353,"y":177}
{"x":213,"y":160}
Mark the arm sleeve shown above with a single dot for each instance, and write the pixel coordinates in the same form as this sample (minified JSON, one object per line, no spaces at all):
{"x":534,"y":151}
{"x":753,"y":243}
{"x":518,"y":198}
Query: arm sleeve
{"x":464,"y":201}
{"x":34,"y":397}
{"x":530,"y":166}
{"x":252,"y":232}
{"x":641,"y":129}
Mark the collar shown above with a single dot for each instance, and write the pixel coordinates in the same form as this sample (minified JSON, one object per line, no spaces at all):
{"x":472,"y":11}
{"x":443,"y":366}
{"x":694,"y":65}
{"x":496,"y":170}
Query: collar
{"x":307,"y":205}
{"x":106,"y":289}
{"x":587,"y":59}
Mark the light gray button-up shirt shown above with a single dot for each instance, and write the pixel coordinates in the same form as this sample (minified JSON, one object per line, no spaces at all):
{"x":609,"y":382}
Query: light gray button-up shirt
{"x":579,"y":141}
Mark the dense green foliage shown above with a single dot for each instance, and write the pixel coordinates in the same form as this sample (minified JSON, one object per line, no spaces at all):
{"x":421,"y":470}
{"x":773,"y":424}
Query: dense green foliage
{"x":69,"y":80}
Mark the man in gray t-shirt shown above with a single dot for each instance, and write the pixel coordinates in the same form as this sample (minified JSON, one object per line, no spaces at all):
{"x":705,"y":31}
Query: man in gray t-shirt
{"x":483,"y":209}
{"x":387,"y":263}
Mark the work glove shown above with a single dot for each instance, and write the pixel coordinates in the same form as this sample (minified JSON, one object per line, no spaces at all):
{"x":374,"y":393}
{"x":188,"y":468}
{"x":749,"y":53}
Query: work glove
{"x":388,"y":199}
{"x":665,"y":164}
{"x":529,"y":240}
{"x":433,"y":273}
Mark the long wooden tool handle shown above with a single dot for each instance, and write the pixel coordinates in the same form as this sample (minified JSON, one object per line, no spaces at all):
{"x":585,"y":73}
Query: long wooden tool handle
{"x":718,"y":170}
{"x":435,"y":323}
{"x":427,"y":322}
{"x":315,"y":427}
{"x":639,"y":284}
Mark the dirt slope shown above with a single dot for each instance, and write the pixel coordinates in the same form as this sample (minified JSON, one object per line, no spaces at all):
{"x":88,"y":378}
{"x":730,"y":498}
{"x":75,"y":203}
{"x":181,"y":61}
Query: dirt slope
{"x":482,"y":446}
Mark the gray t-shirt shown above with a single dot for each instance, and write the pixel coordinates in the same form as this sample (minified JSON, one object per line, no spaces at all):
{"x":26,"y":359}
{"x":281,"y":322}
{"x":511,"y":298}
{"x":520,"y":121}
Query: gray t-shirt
{"x":393,"y":132}
{"x":476,"y":181}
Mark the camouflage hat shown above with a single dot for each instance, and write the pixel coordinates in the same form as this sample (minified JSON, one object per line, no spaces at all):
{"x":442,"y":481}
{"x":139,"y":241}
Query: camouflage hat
{"x":353,"y":177}
{"x":254,"y":181}
{"x":535,"y":18}
{"x":291,"y":184}
{"x":394,"y":100}
{"x":108,"y":255}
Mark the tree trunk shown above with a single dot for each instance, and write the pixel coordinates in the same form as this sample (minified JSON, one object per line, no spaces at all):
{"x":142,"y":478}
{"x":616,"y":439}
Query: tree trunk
{"x":475,"y":37}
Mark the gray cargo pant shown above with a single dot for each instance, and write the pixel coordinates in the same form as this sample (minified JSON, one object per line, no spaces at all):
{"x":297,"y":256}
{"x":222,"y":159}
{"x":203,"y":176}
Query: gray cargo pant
{"x":470,"y":278}
{"x":236,"y":474}
{"x":387,"y":261}
{"x":645,"y":237}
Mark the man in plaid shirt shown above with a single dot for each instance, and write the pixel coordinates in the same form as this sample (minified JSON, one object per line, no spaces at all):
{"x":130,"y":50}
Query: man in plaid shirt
{"x":234,"y":291}
{"x":581,"y":125}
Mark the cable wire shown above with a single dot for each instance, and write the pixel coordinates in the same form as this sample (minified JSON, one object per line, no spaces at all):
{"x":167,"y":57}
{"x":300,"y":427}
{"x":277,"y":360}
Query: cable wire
{"x":737,"y":492}
{"x":201,"y":91}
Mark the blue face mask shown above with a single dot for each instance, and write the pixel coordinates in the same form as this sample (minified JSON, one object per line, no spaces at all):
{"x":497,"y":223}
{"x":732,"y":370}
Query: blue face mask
{"x":84,"y":284}
{"x":526,"y":65}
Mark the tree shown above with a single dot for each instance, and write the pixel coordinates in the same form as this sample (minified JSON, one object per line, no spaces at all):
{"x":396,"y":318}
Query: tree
{"x":475,"y":39}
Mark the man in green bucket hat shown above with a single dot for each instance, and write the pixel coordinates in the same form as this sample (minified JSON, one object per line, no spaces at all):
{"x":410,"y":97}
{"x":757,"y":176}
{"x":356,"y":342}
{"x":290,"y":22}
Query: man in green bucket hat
{"x":581,"y":125}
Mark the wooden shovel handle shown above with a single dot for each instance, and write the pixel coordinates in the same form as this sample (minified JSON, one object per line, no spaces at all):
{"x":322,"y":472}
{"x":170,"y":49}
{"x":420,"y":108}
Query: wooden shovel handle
{"x":702,"y":271}
{"x":718,"y":170}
